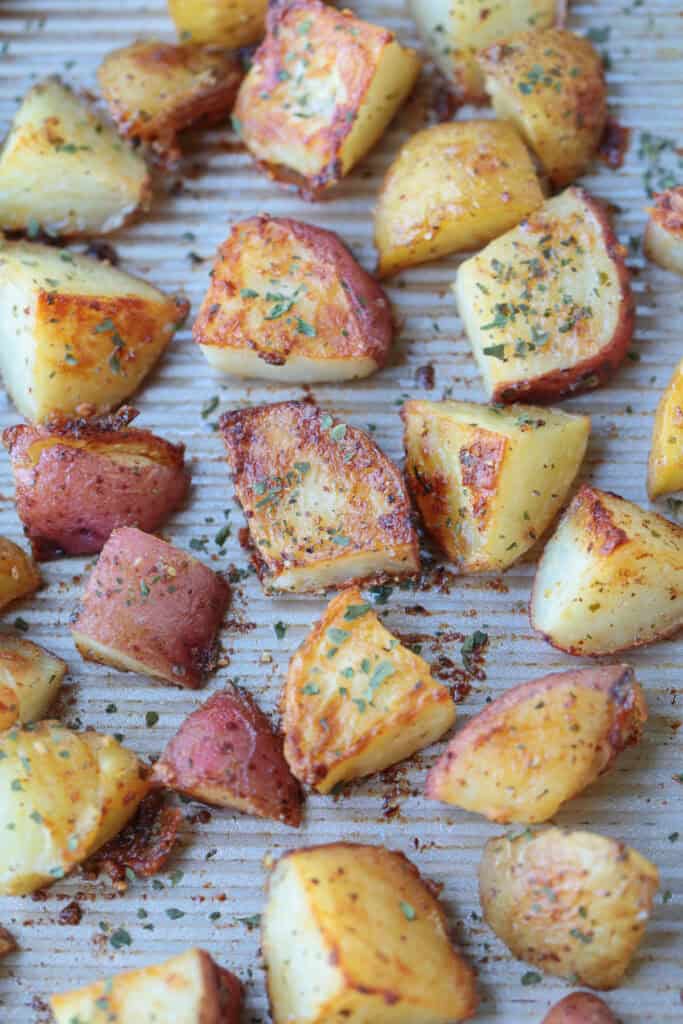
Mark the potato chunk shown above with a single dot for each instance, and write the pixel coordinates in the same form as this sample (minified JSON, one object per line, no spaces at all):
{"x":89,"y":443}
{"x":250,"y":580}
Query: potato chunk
{"x":540,"y":744}
{"x":30,"y":678}
{"x":220,"y":22}
{"x":320,"y":92}
{"x":611,"y":577}
{"x":150,"y":608}
{"x":62,"y":795}
{"x":371,"y":940}
{"x":356,"y":700}
{"x":489,"y":481}
{"x":580,"y":1008}
{"x":550,"y":83}
{"x":288,"y":302}
{"x":548,"y":306}
{"x":77,"y":336}
{"x":19,"y":577}
{"x":155,"y":90}
{"x":663,"y":242}
{"x":187,"y":989}
{"x":323,"y":504}
{"x":65,"y":170}
{"x":574,"y":904}
{"x":665,"y":467}
{"x":77,"y":480}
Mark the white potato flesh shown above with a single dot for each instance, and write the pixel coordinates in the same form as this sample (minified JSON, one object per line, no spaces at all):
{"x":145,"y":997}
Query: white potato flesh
{"x":663,"y":242}
{"x":30,"y":678}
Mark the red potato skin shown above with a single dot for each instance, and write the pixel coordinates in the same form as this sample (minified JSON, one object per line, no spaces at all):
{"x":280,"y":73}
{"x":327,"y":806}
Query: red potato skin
{"x":227,"y":754}
{"x":229,"y":994}
{"x":580,"y":1008}
{"x":72,"y":490}
{"x":155,"y":603}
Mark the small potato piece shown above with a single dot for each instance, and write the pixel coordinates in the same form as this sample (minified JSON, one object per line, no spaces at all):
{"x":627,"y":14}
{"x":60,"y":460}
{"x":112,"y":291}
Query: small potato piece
{"x":548,"y":306}
{"x":663,"y":242}
{"x":325,"y":319}
{"x":665,"y":467}
{"x":19,"y":577}
{"x":65,"y":170}
{"x":356,"y":700}
{"x":150,"y":608}
{"x":77,"y":480}
{"x":155,"y":90}
{"x":540,"y":744}
{"x":187,"y":989}
{"x":489,"y":481}
{"x":220,"y":22}
{"x":320,"y":92}
{"x":30,"y":678}
{"x":453,"y":186}
{"x":580,"y":1008}
{"x":7,"y":943}
{"x":227,"y":754}
{"x":551,"y":84}
{"x":65,"y":794}
{"x":372,"y":942}
{"x":611,"y":577}
{"x":76,"y":335}
{"x":323,"y":504}
{"x":574,"y":904}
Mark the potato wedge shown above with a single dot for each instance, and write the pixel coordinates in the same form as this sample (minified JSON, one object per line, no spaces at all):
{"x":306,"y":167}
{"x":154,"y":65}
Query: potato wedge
{"x":288,"y":302}
{"x":452,"y":187}
{"x":151,"y":608}
{"x":320,"y":92}
{"x":540,"y":744}
{"x":187,"y":989}
{"x":227,"y":754}
{"x":220,"y":22}
{"x":30,"y":678}
{"x":548,"y":306}
{"x":551,"y":84}
{"x":610,"y":578}
{"x":7,"y":943}
{"x":323,"y":504}
{"x":64,"y":170}
{"x":663,"y":241}
{"x":371,"y":939}
{"x":574,"y":904}
{"x":155,"y":90}
{"x":488,"y":481}
{"x":77,"y":336}
{"x":77,"y":480}
{"x":580,"y":1008}
{"x":356,"y":700}
{"x":665,"y":466}
{"x":62,"y":795}
{"x":19,"y":577}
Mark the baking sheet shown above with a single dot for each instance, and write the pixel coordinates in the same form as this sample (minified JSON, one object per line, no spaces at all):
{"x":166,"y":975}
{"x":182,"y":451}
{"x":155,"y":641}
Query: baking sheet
{"x":216,"y":879}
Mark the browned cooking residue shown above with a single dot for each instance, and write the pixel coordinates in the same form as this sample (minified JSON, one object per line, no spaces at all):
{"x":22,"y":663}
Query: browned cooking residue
{"x":398,"y":788}
{"x":425,"y":377}
{"x":459,"y":671}
{"x":614,"y":144}
{"x":144,"y":846}
{"x":72,"y":913}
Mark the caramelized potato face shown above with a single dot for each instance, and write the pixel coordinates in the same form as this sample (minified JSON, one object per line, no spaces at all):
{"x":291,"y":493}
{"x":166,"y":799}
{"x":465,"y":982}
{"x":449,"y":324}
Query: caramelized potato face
{"x":663,"y":242}
{"x":610,"y":577}
{"x":30,"y":678}
{"x":288,"y":302}
{"x":220,"y":22}
{"x":150,"y":608}
{"x":320,"y":92}
{"x":76,"y":481}
{"x":548,"y":306}
{"x":580,"y":1008}
{"x":574,"y":904}
{"x":18,"y":575}
{"x":323,"y":504}
{"x":65,"y":170}
{"x":665,"y":468}
{"x":550,"y":83}
{"x":453,"y":186}
{"x":372,"y":941}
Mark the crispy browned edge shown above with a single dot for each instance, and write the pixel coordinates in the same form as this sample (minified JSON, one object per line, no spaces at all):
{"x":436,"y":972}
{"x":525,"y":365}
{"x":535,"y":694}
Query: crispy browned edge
{"x":664,"y":213}
{"x":109,"y":425}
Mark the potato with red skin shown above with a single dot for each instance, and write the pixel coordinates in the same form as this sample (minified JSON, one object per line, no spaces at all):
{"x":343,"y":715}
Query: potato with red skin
{"x":580,"y":1008}
{"x":19,"y":576}
{"x":149,"y":607}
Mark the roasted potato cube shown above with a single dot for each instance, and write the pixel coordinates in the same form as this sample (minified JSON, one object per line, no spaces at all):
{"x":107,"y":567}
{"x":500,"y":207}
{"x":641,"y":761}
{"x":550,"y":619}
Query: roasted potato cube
{"x":288,"y":302}
{"x":19,"y":577}
{"x":453,"y":186}
{"x":320,"y":92}
{"x":540,"y":744}
{"x":574,"y":904}
{"x":356,"y":700}
{"x":30,"y":678}
{"x":220,"y":22}
{"x":665,"y":467}
{"x":663,"y":242}
{"x":550,"y":83}
{"x":188,"y":989}
{"x":7,"y":943}
{"x":150,"y":608}
{"x":226,"y":753}
{"x":610,"y":578}
{"x":65,"y":171}
{"x":371,"y":940}
{"x":489,"y":481}
{"x":77,"y":480}
{"x":77,"y":336}
{"x":62,"y":795}
{"x":154,"y":90}
{"x":323,"y":504}
{"x":548,"y":306}
{"x":580,"y":1008}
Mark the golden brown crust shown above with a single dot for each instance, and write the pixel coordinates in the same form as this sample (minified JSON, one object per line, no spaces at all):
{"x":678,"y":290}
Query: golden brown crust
{"x":667,"y":210}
